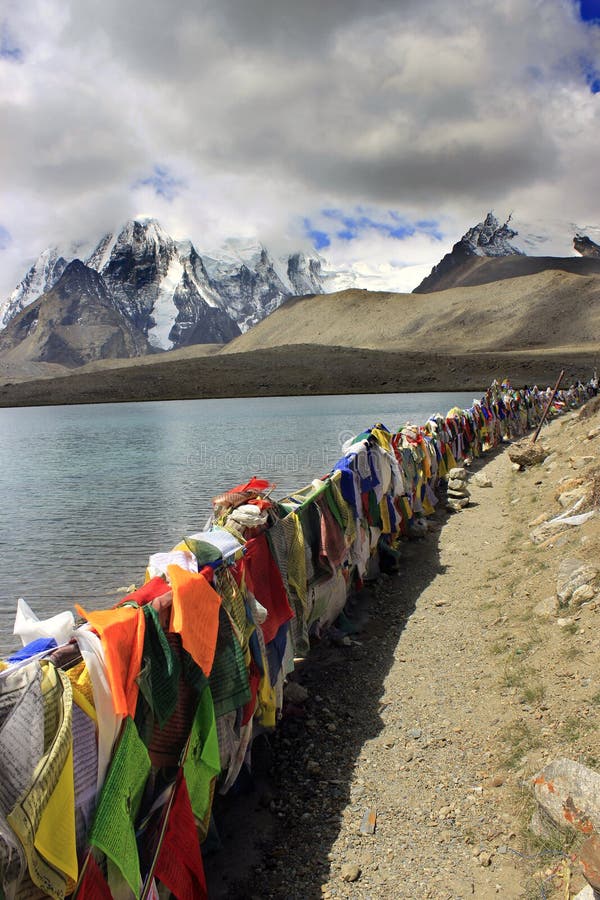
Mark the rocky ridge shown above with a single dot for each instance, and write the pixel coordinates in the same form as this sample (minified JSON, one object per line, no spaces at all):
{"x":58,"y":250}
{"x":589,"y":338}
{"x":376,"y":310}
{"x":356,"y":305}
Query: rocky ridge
{"x":487,"y":238}
{"x":586,"y":246}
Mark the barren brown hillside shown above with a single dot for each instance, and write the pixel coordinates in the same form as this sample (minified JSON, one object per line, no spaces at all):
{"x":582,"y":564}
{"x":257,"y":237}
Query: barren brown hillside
{"x":551,"y":310}
{"x":526,"y":329}
{"x":485,"y":269}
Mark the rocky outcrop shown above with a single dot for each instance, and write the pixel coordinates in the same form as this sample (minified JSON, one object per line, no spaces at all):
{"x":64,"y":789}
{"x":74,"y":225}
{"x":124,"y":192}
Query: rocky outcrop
{"x":487,"y":238}
{"x":586,"y":246}
{"x":72,"y":324}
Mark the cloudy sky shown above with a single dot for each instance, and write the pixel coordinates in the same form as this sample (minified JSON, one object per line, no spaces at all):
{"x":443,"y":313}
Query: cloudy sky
{"x":375,"y":131}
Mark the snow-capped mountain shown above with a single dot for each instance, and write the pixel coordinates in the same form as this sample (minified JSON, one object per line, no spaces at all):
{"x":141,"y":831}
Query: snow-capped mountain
{"x":252,"y":283}
{"x":174,"y":295}
{"x":161,"y":286}
{"x":487,"y":238}
{"x":43,"y":275}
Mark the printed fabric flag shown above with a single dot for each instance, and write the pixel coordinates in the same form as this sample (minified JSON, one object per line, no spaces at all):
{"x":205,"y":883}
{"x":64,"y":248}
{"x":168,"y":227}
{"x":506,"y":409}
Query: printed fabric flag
{"x":195,"y":615}
{"x":202,"y":763}
{"x":113,"y":831}
{"x":179,"y":865}
{"x":122,"y":634}
{"x":93,"y":885}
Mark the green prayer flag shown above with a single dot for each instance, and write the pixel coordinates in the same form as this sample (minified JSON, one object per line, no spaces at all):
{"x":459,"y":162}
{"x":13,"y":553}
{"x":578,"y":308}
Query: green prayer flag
{"x":202,"y":762}
{"x":113,"y":829}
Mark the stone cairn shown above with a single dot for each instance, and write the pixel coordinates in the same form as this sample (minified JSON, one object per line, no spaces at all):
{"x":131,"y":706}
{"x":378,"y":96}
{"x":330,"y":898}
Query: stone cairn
{"x":458,"y":493}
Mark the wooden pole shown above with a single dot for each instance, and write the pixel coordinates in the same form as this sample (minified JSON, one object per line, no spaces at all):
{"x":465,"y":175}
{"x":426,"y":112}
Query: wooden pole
{"x":548,"y":405}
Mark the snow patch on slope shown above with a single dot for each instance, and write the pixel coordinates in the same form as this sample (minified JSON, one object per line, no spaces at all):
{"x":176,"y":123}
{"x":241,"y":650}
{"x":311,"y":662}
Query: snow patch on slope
{"x":165,"y":311}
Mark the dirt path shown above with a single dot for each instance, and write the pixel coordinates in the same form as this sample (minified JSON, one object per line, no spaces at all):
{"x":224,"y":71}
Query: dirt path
{"x":456,"y":691}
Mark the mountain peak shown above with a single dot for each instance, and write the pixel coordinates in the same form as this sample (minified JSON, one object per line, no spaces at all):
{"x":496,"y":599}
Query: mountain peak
{"x":487,"y":238}
{"x":42,"y":275}
{"x":490,"y":238}
{"x":79,"y":278}
{"x":586,"y":246}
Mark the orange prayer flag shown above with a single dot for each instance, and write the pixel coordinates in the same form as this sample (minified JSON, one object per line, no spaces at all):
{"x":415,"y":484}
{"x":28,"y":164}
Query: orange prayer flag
{"x":121,"y":631}
{"x":195,"y":615}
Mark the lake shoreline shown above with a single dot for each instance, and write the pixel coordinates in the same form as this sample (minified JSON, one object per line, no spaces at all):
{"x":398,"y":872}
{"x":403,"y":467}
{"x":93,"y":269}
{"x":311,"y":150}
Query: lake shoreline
{"x":303,"y":370}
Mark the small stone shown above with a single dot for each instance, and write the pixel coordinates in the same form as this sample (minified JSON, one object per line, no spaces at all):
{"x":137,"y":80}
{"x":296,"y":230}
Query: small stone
{"x":564,"y":622}
{"x":568,"y":498}
{"x":458,"y":473}
{"x":482,"y":480}
{"x":578,"y":462}
{"x":494,"y":782}
{"x":331,"y":727}
{"x":456,"y":505}
{"x":485,"y":858}
{"x":350,"y":872}
{"x":295,"y":693}
{"x":583,"y":594}
{"x":458,"y":487}
{"x":538,"y":521}
{"x":587,"y":893}
{"x":313,"y":767}
{"x":415,"y":733}
{"x":546,"y":607}
{"x":441,"y":601}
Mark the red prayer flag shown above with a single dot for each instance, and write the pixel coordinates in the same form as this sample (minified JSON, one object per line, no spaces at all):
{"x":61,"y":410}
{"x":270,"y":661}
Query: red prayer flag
{"x":179,"y":865}
{"x":264,"y":580}
{"x":93,"y":886}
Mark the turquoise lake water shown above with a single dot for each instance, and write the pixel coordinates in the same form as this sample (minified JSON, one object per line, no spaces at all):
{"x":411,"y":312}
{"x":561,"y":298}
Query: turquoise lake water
{"x":89,"y":492}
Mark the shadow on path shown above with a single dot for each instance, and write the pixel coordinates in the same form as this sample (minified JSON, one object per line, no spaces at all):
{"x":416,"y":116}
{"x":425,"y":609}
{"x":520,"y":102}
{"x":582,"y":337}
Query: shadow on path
{"x":277,"y":836}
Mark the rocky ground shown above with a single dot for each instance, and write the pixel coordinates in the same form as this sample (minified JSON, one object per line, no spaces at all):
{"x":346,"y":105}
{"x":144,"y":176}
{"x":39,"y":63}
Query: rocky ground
{"x":406,"y":773}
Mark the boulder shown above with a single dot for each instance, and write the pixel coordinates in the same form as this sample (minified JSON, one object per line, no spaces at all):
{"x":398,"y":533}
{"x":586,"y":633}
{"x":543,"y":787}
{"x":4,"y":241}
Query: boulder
{"x":526,"y":454}
{"x":574,"y":573}
{"x":568,"y":795}
{"x":590,"y":861}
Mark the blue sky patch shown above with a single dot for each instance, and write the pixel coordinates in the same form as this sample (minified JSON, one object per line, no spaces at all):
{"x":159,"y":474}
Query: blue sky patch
{"x":5,"y":238}
{"x":319,"y":238}
{"x":348,"y":226}
{"x":163,"y":183}
{"x":589,"y":10}
{"x":591,"y":73}
{"x":9,"y":49}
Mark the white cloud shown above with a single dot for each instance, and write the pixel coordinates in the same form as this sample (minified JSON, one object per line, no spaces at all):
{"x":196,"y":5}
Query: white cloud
{"x":269,"y":111}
